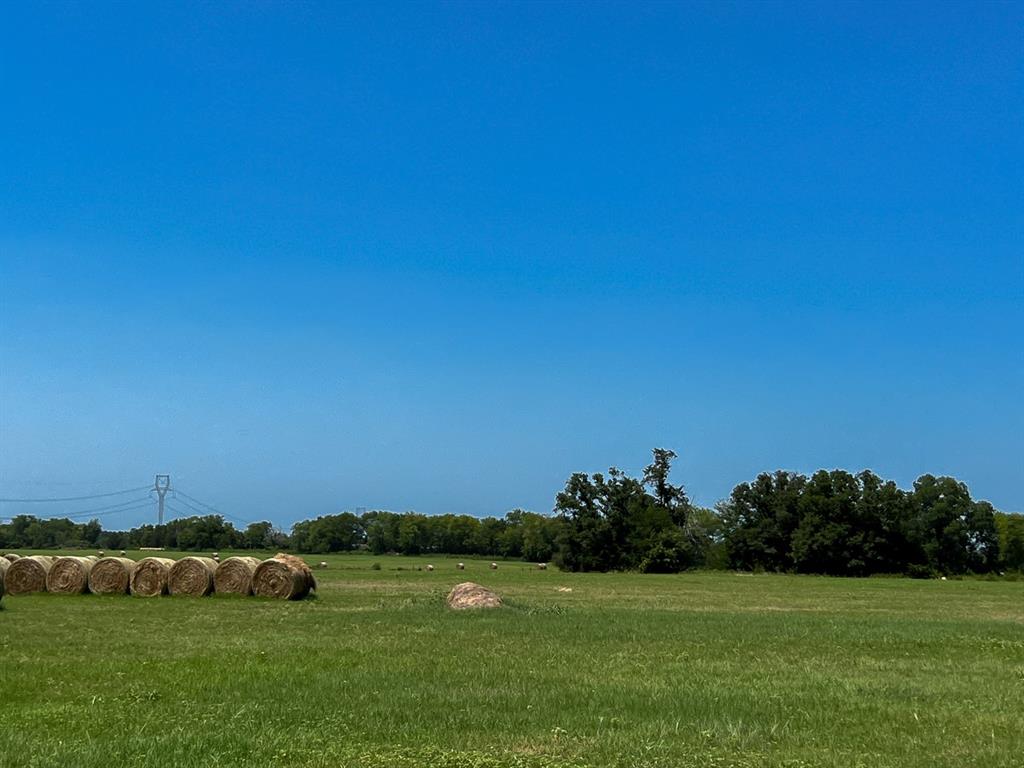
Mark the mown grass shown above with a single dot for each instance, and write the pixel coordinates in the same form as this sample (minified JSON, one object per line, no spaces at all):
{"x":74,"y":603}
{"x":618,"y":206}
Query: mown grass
{"x":704,"y":669}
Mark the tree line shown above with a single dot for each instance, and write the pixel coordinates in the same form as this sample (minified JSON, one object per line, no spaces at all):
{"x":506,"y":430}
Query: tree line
{"x":832,"y":522}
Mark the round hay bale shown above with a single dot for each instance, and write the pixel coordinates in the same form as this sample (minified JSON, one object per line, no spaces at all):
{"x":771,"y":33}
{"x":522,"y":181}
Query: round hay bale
{"x":28,"y":574}
{"x":470,"y":595}
{"x":111,"y":576}
{"x":70,"y":575}
{"x":11,"y":557}
{"x":283,"y":576}
{"x":234,"y":576}
{"x":461,"y":566}
{"x":192,"y":576}
{"x":149,"y":577}
{"x":494,"y":566}
{"x":4,"y":565}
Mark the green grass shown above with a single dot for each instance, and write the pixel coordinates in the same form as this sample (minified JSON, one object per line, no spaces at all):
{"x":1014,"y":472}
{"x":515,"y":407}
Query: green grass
{"x":704,"y":669}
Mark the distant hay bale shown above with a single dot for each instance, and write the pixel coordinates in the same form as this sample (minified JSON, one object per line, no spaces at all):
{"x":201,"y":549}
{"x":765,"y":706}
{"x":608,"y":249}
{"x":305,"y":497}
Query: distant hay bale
{"x":470,"y":595}
{"x":542,"y":566}
{"x":28,"y":574}
{"x":192,"y":576}
{"x":70,"y":575}
{"x":494,"y":566}
{"x":430,"y":567}
{"x":149,"y":577}
{"x":461,"y":566}
{"x":234,"y":576}
{"x":11,"y":557}
{"x":283,"y":576}
{"x":111,"y":576}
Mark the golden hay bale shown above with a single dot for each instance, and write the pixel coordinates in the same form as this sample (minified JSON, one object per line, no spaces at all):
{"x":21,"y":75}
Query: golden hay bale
{"x":192,"y":576}
{"x":470,"y":595}
{"x":28,"y":574}
{"x":4,"y":565}
{"x":70,"y":575}
{"x":149,"y":577}
{"x":11,"y":557}
{"x":111,"y":576}
{"x":234,"y":576}
{"x":283,"y":576}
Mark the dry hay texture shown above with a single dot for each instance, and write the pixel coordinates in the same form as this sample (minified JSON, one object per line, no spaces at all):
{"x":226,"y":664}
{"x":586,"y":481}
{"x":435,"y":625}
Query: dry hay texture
{"x":192,"y":576}
{"x":4,"y":565}
{"x":283,"y":576}
{"x":111,"y":576}
{"x":28,"y":574}
{"x":70,"y":575}
{"x":149,"y":577}
{"x":470,"y":595}
{"x":234,"y":576}
{"x":11,"y":557}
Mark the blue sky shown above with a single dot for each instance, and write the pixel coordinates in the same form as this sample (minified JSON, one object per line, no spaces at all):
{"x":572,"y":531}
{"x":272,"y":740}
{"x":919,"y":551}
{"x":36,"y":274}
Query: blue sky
{"x":307,"y":257}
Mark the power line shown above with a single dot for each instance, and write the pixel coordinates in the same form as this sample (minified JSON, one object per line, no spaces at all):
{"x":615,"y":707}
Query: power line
{"x":77,"y":498}
{"x":99,"y":511}
{"x":182,"y":501}
{"x":145,"y":505}
{"x":179,"y":492}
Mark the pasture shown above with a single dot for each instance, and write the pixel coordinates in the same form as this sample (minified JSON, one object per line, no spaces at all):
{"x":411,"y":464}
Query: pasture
{"x":698,"y":669}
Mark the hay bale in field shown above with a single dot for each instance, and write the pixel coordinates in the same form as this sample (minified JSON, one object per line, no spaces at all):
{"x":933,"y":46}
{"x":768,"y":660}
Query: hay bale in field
{"x":192,"y":576}
{"x":111,"y":576}
{"x":28,"y":574}
{"x":283,"y":576}
{"x":430,"y":567}
{"x":4,"y":565}
{"x":461,"y":566}
{"x":234,"y":576}
{"x":70,"y":575}
{"x":11,"y":557}
{"x":149,"y":577}
{"x":470,"y":595}
{"x":542,"y":566}
{"x":494,"y":566}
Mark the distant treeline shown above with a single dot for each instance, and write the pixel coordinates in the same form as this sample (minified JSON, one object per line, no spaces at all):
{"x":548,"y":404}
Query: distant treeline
{"x":832,"y":522}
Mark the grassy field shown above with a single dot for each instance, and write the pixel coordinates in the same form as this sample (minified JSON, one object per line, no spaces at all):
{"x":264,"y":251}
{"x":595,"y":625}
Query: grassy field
{"x":704,"y":669}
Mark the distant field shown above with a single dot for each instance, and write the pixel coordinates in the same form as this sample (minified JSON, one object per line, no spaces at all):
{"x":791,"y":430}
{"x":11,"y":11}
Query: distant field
{"x":703,"y":669}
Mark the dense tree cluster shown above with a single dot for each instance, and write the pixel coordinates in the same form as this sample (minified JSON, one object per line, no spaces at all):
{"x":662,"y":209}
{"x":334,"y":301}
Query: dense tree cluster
{"x":842,"y":524}
{"x":617,"y":522}
{"x":832,"y":522}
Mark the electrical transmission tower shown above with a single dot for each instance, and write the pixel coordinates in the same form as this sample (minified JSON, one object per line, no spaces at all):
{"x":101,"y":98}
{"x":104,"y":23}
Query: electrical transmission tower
{"x":162,"y":484}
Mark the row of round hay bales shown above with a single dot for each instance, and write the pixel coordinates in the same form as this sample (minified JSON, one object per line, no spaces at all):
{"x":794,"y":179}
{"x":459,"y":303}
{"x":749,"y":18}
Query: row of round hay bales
{"x":283,"y":576}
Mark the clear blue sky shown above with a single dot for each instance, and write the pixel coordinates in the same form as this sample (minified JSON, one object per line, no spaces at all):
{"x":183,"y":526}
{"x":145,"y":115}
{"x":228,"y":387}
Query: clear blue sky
{"x":307,"y":257}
